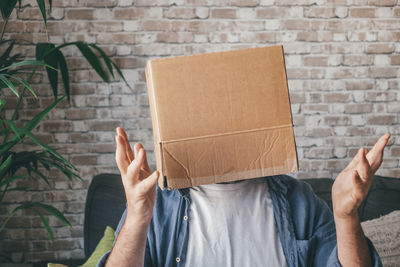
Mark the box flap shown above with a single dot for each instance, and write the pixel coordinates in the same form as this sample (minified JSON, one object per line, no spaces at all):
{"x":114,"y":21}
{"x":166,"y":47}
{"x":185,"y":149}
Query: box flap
{"x":230,"y":157}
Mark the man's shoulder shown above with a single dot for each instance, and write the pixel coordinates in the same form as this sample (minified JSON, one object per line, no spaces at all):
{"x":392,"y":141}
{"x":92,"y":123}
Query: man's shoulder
{"x":297,"y":193}
{"x":289,"y":185}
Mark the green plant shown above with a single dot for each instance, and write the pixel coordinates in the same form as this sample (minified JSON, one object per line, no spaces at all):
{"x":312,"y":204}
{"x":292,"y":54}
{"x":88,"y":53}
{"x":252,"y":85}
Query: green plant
{"x":16,"y":74}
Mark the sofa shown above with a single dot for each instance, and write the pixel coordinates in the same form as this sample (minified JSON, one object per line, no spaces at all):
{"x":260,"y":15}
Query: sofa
{"x":105,"y":204}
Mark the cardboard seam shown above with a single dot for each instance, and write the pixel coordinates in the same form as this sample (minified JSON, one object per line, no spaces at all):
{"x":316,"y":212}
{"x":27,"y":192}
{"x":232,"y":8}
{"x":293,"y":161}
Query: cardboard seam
{"x":239,"y":175}
{"x":290,"y":106}
{"x":165,"y":182}
{"x":156,"y":122}
{"x":225,"y":134}
{"x":154,"y":96}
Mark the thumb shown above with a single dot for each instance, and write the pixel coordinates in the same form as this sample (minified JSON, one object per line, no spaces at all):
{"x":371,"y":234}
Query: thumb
{"x":359,"y":187}
{"x":357,"y":158}
{"x":150,"y":181}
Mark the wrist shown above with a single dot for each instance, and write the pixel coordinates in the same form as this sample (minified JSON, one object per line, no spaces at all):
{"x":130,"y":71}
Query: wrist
{"x":349,"y":221}
{"x":136,"y":220}
{"x":344,"y":213}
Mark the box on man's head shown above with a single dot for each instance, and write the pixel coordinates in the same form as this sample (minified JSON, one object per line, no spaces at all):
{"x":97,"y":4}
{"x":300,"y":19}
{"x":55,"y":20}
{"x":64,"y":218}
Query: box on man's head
{"x":221,"y":117}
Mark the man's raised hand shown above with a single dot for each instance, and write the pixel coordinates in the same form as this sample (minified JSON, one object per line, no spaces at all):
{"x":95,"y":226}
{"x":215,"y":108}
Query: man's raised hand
{"x":353,"y":183}
{"x":139,"y":183}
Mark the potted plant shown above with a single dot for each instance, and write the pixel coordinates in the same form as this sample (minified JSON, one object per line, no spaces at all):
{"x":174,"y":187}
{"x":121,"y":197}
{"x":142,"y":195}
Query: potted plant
{"x":16,"y":75}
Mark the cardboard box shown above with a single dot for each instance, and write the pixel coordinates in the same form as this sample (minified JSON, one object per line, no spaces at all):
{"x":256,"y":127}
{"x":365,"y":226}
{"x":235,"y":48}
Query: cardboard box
{"x":221,"y":117}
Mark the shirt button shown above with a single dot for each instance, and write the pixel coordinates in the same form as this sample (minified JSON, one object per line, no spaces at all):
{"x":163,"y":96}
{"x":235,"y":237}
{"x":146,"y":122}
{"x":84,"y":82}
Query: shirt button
{"x":178,"y":259}
{"x":185,"y":218}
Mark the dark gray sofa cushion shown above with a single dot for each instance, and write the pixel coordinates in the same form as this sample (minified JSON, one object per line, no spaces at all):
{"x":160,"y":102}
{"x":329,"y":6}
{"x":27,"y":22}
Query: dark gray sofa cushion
{"x":383,"y":198}
{"x":105,"y":203}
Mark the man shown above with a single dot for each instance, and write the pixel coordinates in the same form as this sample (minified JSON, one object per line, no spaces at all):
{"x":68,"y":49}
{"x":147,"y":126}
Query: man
{"x":287,"y":225}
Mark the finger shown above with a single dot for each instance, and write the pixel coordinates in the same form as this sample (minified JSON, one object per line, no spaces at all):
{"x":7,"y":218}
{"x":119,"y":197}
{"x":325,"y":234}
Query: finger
{"x":375,"y":156}
{"x":363,"y":168}
{"x":120,"y":156}
{"x":134,"y":167}
{"x":145,"y":165}
{"x":358,"y":190}
{"x":354,"y":162}
{"x":123,"y":142}
{"x":150,"y":181}
{"x":127,"y":146}
{"x":136,"y":148}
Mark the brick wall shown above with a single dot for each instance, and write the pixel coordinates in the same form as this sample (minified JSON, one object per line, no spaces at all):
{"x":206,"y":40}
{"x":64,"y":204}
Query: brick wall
{"x":342,"y":60}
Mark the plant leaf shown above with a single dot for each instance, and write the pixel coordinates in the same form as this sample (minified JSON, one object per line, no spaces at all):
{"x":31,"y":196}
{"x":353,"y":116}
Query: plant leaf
{"x":26,"y":84}
{"x":7,"y":7}
{"x":2,"y":103}
{"x":53,"y":211}
{"x":7,"y":52}
{"x":41,"y":50}
{"x":92,"y":59}
{"x":17,"y":189}
{"x":45,"y":52}
{"x":46,"y":224}
{"x":62,"y":64}
{"x":106,"y":59}
{"x":66,"y":171}
{"x":44,"y":178}
{"x":3,"y":85}
{"x":19,"y":133}
{"x":26,"y":63}
{"x":42,"y":7}
{"x":60,"y":165}
{"x":11,"y":179}
{"x":5,"y":166}
{"x":51,"y":150}
{"x":120,"y":73}
{"x":5,"y":221}
{"x":4,"y":131}
{"x":5,"y":147}
{"x":29,"y":126}
{"x":9,"y":84}
{"x":99,"y":63}
{"x":39,"y":117}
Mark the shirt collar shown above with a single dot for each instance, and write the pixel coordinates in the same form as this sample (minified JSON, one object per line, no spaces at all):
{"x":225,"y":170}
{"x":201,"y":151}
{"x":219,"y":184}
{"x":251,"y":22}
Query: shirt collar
{"x":277,"y":183}
{"x":184,"y":192}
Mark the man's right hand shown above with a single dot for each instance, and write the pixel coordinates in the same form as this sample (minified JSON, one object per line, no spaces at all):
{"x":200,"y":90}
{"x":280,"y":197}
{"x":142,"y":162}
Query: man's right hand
{"x":140,"y":190}
{"x":139,"y":183}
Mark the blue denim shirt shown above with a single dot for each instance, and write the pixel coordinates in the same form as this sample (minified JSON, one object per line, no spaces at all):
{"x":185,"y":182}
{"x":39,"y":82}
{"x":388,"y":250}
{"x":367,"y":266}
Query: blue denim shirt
{"x":305,"y":226}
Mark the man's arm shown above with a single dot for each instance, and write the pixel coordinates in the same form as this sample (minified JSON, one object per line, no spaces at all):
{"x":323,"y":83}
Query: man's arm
{"x":140,"y":189}
{"x":349,"y":190}
{"x":129,"y":249}
{"x":351,"y":243}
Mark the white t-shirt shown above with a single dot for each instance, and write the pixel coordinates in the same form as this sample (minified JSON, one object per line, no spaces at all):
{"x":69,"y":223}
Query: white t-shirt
{"x":233,"y":225}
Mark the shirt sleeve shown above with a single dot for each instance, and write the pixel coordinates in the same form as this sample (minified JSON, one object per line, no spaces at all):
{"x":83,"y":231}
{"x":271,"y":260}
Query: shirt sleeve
{"x":103,"y":259}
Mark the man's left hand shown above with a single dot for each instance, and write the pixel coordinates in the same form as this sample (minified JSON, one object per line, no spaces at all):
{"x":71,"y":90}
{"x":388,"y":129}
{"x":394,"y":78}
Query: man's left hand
{"x":353,"y":183}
